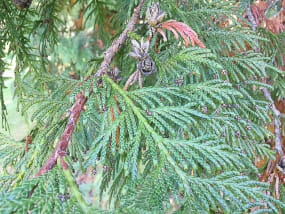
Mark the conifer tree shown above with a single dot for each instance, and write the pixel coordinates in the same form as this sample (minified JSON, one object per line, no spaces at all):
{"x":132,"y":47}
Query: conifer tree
{"x":171,"y":104}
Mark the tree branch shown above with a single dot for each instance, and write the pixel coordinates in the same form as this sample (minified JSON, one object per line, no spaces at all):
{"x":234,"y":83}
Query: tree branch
{"x":250,"y":17}
{"x":267,"y":95}
{"x":75,"y":110}
{"x":75,"y":190}
{"x":74,"y":113}
{"x":111,"y":51}
{"x":278,"y":145}
{"x":271,"y":4}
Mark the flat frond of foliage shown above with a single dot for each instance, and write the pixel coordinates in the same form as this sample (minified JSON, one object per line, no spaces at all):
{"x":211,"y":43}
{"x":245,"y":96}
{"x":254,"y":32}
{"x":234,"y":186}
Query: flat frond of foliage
{"x":183,"y":139}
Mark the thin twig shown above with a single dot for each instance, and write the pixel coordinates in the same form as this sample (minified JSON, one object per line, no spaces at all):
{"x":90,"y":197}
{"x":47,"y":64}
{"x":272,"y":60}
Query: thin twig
{"x":251,"y":17}
{"x":132,"y":79}
{"x":267,"y":95}
{"x":77,"y":107}
{"x":112,"y":50}
{"x":75,"y":190}
{"x":28,"y":141}
{"x":272,"y":4}
{"x":278,"y":145}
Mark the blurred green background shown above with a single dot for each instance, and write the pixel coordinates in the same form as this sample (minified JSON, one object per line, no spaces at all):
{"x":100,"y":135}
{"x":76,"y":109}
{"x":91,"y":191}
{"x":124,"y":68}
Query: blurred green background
{"x":18,"y":124}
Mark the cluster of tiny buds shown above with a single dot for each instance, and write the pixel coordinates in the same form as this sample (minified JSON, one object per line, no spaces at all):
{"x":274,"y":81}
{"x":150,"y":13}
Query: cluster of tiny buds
{"x":224,"y":105}
{"x":248,"y":127}
{"x":104,"y":107}
{"x":179,"y":81}
{"x":224,"y":72}
{"x":105,"y":168}
{"x":262,"y":79}
{"x":204,"y":109}
{"x":62,"y":197}
{"x":238,"y":134}
{"x":237,"y":117}
{"x":148,"y":112}
{"x":216,"y":111}
{"x":94,"y":171}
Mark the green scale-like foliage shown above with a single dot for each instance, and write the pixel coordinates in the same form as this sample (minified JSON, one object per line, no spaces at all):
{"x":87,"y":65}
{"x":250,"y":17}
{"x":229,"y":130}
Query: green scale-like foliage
{"x":45,"y":194}
{"x":183,"y":143}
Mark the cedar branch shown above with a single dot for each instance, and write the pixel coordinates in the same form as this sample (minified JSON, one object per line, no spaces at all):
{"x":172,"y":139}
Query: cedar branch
{"x":267,"y":94}
{"x":77,"y":107}
{"x":277,"y":113}
{"x":59,"y":151}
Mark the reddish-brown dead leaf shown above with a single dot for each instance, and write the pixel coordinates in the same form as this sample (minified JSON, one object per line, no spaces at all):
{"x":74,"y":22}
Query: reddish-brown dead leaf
{"x":184,"y":30}
{"x":28,"y":141}
{"x":172,"y":30}
{"x":159,"y":30}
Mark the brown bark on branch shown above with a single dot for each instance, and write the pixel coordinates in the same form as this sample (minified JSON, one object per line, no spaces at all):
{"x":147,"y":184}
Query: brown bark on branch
{"x":28,"y":141}
{"x":267,"y":94}
{"x":65,"y":138}
{"x":278,"y":145}
{"x":112,"y":50}
{"x":75,"y":110}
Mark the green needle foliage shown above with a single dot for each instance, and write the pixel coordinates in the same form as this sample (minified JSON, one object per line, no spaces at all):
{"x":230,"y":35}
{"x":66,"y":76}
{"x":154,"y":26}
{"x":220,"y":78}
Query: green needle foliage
{"x":183,"y":143}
